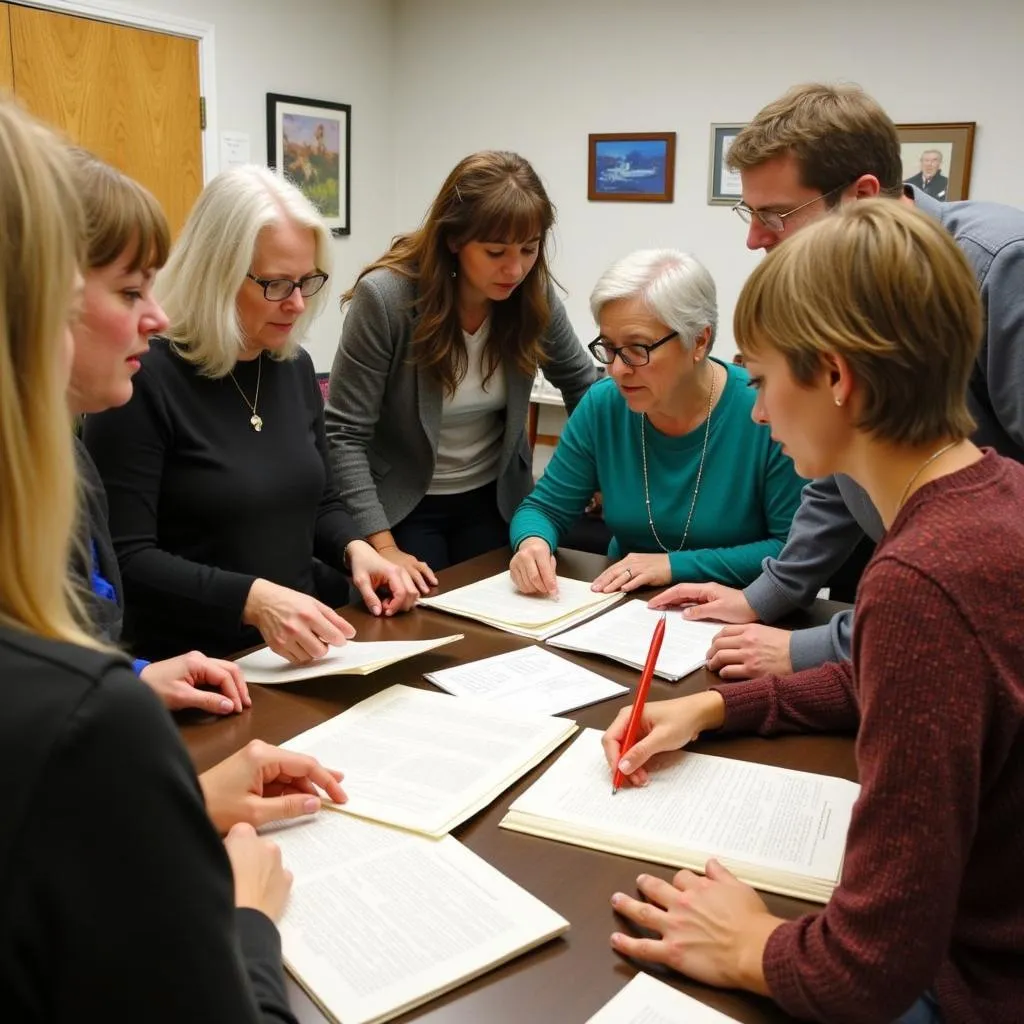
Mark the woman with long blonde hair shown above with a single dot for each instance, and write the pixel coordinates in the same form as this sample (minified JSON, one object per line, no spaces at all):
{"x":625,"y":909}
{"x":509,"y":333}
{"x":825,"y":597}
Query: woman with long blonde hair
{"x":122,"y":904}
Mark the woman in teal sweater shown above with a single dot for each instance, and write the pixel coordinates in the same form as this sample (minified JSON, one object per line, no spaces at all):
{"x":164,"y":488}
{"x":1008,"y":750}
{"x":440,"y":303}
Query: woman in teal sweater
{"x":693,"y":489}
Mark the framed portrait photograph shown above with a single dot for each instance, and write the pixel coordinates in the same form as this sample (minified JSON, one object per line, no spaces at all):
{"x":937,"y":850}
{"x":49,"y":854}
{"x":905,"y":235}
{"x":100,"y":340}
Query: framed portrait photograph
{"x":937,"y":158}
{"x":634,"y":167}
{"x":723,"y":184}
{"x":308,"y":142}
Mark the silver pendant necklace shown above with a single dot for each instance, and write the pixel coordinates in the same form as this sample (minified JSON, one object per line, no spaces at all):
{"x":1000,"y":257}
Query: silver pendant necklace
{"x":255,"y":420}
{"x":700,"y":471}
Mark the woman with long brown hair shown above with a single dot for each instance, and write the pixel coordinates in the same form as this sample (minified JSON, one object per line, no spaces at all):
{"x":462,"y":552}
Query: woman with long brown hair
{"x":431,"y":383}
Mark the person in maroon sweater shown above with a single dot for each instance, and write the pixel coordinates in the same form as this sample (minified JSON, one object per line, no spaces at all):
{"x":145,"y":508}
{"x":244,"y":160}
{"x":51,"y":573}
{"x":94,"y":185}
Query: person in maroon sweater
{"x":860,"y":333}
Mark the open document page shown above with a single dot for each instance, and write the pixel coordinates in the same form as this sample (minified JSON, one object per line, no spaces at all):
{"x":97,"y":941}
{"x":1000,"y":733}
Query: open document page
{"x":426,"y":761}
{"x":530,"y":679}
{"x":355,"y":658}
{"x":380,"y":920}
{"x":624,"y":635}
{"x":776,"y":829}
{"x":496,"y":602}
{"x":645,"y":1000}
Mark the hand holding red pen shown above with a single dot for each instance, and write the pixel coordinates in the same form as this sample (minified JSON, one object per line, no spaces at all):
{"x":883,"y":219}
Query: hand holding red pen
{"x":643,"y":730}
{"x":641,"y":695}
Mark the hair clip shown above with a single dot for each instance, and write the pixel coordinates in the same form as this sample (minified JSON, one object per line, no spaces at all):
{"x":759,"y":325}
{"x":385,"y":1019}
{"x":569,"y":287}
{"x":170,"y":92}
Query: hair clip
{"x":458,"y":193}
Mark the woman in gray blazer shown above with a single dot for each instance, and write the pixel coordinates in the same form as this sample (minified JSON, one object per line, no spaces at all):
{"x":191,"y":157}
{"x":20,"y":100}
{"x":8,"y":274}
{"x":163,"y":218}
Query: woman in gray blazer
{"x":430,"y":388}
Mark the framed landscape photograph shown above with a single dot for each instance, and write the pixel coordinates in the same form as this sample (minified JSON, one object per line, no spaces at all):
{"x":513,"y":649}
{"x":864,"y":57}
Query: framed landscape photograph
{"x":635,"y":167}
{"x":308,"y":142}
{"x":937,"y":158}
{"x":723,"y":184}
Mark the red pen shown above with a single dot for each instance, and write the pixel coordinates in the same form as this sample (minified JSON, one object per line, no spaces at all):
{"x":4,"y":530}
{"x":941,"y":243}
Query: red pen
{"x":641,"y":697}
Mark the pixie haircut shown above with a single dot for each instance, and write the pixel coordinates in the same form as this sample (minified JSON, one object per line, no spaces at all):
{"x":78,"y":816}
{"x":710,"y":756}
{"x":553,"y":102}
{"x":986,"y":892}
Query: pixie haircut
{"x":673,"y":285}
{"x":836,"y":132}
{"x":120,"y":216}
{"x":886,"y":288}
{"x":206,"y":270}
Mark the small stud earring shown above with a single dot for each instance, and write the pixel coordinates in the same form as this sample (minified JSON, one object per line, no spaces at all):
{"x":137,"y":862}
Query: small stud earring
{"x":839,"y":401}
{"x":454,"y":273}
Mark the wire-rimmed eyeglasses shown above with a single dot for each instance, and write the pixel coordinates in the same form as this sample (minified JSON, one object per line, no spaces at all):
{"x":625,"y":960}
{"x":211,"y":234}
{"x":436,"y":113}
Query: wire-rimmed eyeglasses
{"x":632,"y":355}
{"x":277,"y":289}
{"x":777,"y":221}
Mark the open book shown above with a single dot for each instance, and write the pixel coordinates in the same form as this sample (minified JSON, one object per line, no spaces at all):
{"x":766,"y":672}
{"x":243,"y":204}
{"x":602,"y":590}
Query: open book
{"x":624,"y":635}
{"x":645,"y":1000}
{"x":530,"y":679}
{"x":496,"y":602}
{"x":380,"y":920}
{"x":355,"y":658}
{"x":776,"y":829}
{"x":427,"y":761}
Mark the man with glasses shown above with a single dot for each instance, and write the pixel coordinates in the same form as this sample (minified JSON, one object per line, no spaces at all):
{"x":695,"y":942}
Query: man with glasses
{"x":801,"y":156}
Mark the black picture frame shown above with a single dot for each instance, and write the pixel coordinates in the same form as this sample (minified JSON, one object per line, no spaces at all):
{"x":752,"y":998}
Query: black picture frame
{"x":309,"y":142}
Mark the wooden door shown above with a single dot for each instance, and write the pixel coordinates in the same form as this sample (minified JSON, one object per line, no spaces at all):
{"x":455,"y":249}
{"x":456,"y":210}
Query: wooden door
{"x":129,"y":95}
{"x":6,"y":63}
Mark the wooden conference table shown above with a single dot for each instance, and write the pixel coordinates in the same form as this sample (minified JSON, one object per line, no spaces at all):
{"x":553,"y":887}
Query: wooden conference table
{"x":569,"y":979}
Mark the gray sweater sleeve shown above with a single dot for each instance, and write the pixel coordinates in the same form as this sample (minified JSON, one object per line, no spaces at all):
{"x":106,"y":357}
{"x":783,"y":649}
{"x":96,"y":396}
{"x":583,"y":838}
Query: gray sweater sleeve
{"x":569,"y":366}
{"x":359,"y":376}
{"x":823,"y":534}
{"x":1002,"y":292}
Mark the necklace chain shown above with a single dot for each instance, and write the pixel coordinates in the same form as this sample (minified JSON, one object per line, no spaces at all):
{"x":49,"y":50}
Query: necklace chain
{"x":920,"y":469}
{"x":700,"y":471}
{"x":255,"y":420}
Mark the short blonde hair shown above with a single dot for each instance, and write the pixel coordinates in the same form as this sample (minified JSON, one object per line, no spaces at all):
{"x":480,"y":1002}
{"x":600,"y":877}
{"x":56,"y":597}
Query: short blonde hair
{"x":42,"y":229}
{"x":199,"y":286}
{"x":119,"y":212}
{"x":836,"y":132}
{"x":675,"y":286}
{"x":888,"y":289}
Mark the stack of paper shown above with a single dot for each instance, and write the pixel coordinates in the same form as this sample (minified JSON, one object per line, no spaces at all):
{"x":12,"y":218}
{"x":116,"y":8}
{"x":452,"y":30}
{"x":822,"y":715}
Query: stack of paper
{"x":380,"y":920}
{"x":355,"y":658}
{"x":645,"y":1000}
{"x":426,"y":761}
{"x":530,"y":679}
{"x":776,"y":829}
{"x":624,"y":635}
{"x":496,"y":602}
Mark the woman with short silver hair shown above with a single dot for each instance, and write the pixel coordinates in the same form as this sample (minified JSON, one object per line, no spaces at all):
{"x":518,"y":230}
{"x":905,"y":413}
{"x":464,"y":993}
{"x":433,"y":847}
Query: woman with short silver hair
{"x":693,"y":489}
{"x":225,"y":517}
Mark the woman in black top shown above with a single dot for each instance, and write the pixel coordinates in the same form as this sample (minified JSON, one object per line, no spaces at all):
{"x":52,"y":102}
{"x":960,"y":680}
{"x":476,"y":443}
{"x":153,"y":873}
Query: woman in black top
{"x":226,"y":520}
{"x":127,"y":241}
{"x":120,"y":902}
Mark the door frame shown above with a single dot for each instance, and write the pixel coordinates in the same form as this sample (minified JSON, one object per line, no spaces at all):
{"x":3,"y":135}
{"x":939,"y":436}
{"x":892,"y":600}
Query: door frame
{"x":203,"y":32}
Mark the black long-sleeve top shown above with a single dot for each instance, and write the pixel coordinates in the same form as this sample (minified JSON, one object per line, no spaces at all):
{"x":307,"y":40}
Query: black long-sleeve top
{"x":117,"y":903}
{"x":201,"y":504}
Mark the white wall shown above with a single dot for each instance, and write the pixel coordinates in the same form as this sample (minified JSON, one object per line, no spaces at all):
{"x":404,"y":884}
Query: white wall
{"x":337,"y":50}
{"x":537,"y":76}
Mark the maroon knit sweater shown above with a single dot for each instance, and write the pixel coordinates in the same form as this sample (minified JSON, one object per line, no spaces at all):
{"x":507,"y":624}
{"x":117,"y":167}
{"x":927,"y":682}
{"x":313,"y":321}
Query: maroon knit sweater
{"x":932,"y":891}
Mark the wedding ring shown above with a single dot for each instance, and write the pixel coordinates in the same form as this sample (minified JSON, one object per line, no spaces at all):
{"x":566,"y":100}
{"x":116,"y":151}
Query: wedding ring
{"x":629,"y":572}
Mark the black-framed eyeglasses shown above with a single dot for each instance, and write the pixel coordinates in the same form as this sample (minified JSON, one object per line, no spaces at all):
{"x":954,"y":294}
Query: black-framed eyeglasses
{"x":777,"y":221}
{"x":632,"y":355}
{"x":277,"y":289}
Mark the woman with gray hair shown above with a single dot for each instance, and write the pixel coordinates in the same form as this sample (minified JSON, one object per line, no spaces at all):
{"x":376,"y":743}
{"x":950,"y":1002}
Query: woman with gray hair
{"x":224,"y":514}
{"x":693,"y":489}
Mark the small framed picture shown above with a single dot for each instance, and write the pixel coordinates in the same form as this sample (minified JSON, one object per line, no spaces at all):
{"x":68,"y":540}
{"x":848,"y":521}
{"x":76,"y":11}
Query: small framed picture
{"x":724,"y":187}
{"x":937,"y":158}
{"x":308,"y":142}
{"x":634,"y":167}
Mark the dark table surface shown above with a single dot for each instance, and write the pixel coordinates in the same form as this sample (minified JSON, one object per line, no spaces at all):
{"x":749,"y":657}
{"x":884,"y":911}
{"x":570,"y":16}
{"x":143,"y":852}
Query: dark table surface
{"x":569,"y":979}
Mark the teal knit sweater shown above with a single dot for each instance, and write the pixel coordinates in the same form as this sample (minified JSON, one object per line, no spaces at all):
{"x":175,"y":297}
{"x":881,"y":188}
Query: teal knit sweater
{"x":748,"y":493}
